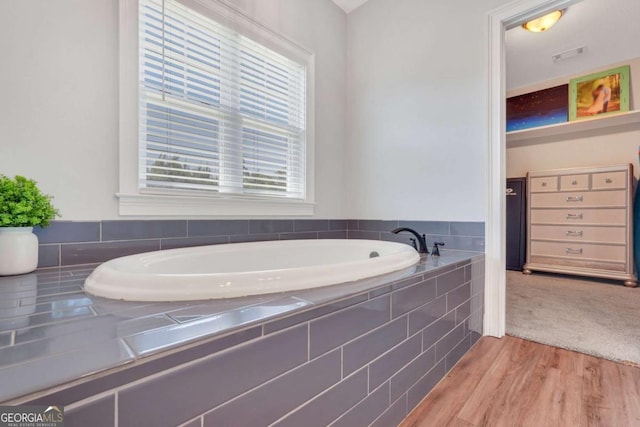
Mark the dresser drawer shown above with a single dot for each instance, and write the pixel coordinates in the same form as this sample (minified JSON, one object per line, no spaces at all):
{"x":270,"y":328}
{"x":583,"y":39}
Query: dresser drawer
{"x":580,"y":199}
{"x":585,"y":251}
{"x":609,"y":180}
{"x":579,"y":216}
{"x":578,"y":263}
{"x":544,"y":184}
{"x":579,"y":233}
{"x":574,"y":182}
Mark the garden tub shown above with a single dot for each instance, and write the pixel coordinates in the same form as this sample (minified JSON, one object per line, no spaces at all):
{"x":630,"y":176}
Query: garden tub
{"x":242,"y":269}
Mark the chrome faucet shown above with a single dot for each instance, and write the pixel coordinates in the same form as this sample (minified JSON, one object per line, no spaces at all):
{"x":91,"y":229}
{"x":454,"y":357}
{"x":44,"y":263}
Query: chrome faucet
{"x":422,"y":239}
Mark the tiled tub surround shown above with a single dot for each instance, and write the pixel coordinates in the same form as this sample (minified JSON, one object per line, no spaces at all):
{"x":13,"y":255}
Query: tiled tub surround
{"x":75,"y":243}
{"x":362,"y":353}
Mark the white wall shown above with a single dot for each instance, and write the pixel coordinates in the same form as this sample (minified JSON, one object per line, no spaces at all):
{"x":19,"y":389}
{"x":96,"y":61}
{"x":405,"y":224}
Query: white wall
{"x":608,"y":146}
{"x":58,"y":102}
{"x":417,"y":109}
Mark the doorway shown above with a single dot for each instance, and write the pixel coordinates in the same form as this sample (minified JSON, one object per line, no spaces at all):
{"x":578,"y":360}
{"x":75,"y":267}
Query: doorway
{"x":500,"y":20}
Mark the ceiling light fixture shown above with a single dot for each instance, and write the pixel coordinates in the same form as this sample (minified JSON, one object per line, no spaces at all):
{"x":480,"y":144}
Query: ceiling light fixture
{"x":543,"y":23}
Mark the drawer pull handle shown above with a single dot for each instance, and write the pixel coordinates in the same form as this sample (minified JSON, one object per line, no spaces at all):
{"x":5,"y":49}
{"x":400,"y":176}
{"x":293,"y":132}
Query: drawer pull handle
{"x":574,"y":182}
{"x":608,"y":180}
{"x":573,"y":251}
{"x":572,"y":233}
{"x":544,"y":184}
{"x":574,"y":198}
{"x":574,"y":216}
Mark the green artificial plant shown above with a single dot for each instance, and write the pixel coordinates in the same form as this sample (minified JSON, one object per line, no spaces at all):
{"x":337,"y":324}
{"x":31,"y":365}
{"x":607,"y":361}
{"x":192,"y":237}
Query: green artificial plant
{"x":23,"y":205}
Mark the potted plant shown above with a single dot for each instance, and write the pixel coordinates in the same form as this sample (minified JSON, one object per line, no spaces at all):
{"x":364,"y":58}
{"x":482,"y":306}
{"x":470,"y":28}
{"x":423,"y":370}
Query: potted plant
{"x":22,"y":207}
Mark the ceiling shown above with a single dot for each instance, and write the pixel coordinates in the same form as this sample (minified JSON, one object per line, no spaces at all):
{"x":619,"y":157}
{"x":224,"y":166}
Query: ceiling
{"x":349,"y":5}
{"x":608,"y":29}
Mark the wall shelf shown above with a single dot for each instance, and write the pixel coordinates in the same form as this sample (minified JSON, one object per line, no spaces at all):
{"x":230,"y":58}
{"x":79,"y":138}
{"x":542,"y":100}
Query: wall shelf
{"x":568,"y":128}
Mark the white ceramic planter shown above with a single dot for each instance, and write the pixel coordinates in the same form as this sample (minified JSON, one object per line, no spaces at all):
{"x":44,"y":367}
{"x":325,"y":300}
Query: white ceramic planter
{"x":18,"y":250}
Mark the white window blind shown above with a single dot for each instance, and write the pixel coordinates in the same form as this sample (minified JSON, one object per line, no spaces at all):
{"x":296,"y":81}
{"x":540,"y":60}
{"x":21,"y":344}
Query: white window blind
{"x":219,"y":112}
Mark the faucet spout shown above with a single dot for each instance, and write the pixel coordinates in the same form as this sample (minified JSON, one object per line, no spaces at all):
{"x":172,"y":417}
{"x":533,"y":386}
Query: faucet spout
{"x":422,"y":239}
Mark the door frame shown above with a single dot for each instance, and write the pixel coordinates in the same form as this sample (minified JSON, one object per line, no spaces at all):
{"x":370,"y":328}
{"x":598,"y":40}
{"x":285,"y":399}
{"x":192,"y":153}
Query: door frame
{"x":500,"y":20}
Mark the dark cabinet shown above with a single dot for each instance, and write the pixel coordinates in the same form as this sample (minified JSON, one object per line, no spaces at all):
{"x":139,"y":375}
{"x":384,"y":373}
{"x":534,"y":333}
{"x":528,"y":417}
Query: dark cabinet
{"x":516,"y":222}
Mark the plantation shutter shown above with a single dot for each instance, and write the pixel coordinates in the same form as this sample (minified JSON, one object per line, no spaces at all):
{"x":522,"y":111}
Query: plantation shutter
{"x":219,"y":112}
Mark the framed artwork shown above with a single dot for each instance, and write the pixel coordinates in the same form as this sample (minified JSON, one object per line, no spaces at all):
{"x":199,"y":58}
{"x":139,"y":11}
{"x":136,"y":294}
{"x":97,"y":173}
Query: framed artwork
{"x":540,"y":108}
{"x":599,"y":94}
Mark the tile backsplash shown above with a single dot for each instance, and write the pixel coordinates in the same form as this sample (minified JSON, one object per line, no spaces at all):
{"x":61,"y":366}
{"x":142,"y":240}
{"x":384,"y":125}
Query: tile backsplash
{"x":85,"y":242}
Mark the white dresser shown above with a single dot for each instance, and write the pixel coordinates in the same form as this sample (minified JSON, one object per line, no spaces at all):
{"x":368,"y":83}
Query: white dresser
{"x":581,"y":222}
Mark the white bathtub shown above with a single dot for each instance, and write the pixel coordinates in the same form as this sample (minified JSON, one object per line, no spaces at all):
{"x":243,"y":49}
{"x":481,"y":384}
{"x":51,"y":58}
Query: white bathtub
{"x":241,"y":269}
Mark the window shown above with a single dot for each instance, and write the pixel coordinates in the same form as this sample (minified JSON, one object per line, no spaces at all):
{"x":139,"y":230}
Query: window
{"x":220,"y":116}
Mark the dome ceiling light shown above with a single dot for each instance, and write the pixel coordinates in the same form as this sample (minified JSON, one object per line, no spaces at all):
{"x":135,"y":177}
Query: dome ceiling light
{"x":543,"y":23}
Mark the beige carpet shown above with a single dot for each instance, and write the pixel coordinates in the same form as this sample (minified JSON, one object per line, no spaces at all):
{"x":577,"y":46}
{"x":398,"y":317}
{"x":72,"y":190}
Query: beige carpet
{"x":600,"y":318}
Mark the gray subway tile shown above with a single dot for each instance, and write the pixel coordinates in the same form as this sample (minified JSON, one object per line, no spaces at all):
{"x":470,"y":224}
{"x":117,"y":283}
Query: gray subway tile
{"x":193,"y":423}
{"x":173,"y":335}
{"x":371,"y":345}
{"x":337,"y":328}
{"x":388,"y":364}
{"x":48,"y":256}
{"x":365,"y":412}
{"x":55,"y":369}
{"x":394,"y":415}
{"x":217,"y":227}
{"x":460,"y":243}
{"x":427,"y":227}
{"x":310,"y":225}
{"x":474,"y":337}
{"x":360,"y":234}
{"x":334,"y":234}
{"x":446,"y":344}
{"x":438,"y":329}
{"x":352,"y":224}
{"x":68,"y":231}
{"x":467,"y":229}
{"x":6,"y":338}
{"x":242,"y":238}
{"x":97,"y":413}
{"x":424,"y":385}
{"x":328,"y":406}
{"x":68,"y":336}
{"x":143,"y":229}
{"x":463,"y":311}
{"x":146,"y":368}
{"x":186,"y":242}
{"x":338,"y":224}
{"x":458,"y":296}
{"x":257,"y":226}
{"x":457,"y":352}
{"x":377,"y":225}
{"x":237,"y":370}
{"x":407,"y":376}
{"x":299,"y":236}
{"x":406,"y":299}
{"x":295,"y":319}
{"x":406,"y":282}
{"x":87,"y":253}
{"x":449,"y":281}
{"x":276,"y":398}
{"x":427,"y":314}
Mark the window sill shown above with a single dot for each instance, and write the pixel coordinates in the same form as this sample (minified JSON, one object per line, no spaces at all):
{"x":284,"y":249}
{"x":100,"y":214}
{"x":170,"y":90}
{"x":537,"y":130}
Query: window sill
{"x":186,"y":206}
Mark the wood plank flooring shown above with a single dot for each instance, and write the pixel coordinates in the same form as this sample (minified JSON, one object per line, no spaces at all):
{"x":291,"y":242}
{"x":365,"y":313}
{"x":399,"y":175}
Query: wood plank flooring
{"x":513,"y":382}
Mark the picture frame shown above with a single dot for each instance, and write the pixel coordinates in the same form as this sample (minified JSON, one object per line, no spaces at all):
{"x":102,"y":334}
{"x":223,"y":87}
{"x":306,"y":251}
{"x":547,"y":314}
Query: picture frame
{"x":540,"y":108}
{"x":599,"y":94}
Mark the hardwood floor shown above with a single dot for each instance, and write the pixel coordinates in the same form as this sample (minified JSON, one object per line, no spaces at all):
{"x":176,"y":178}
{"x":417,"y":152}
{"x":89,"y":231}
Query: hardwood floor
{"x":513,"y":382}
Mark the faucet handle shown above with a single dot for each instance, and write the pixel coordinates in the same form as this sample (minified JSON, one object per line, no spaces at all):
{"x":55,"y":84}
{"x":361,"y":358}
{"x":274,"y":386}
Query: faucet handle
{"x":435,"y":251}
{"x":413,"y":243}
